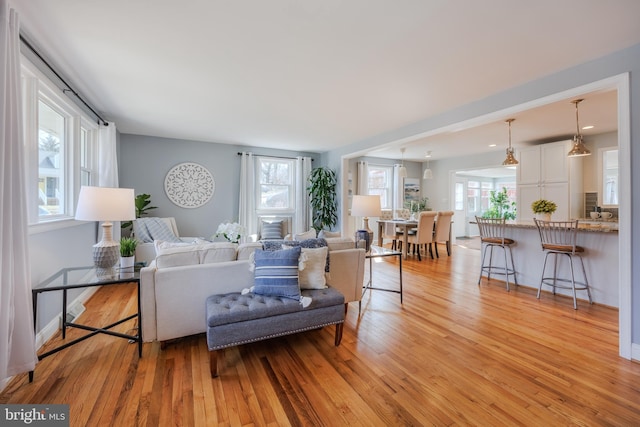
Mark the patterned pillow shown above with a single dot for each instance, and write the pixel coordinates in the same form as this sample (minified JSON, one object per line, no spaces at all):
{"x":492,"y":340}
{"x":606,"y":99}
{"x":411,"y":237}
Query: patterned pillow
{"x":271,"y":230}
{"x":276,"y":273}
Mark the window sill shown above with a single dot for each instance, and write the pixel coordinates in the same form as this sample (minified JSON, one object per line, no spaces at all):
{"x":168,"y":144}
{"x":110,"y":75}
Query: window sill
{"x":53,"y":225}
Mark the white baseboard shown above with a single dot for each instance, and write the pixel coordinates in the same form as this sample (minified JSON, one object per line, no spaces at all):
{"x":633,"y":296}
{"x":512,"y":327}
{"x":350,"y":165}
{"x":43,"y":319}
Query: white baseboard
{"x":54,"y":325}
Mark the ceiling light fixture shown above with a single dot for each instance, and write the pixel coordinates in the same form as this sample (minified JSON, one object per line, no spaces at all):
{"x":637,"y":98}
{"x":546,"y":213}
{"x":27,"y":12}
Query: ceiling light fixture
{"x":510,"y":160}
{"x":402,"y":171}
{"x":578,"y":148}
{"x":427,"y":172}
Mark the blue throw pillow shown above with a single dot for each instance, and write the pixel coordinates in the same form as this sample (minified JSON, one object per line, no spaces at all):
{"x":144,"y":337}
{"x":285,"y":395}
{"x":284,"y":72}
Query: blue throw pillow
{"x":276,"y":273}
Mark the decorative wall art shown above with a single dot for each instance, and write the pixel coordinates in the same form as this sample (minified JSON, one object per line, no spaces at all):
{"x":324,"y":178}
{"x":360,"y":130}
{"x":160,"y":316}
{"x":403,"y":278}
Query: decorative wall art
{"x":189,"y":185}
{"x":411,"y":190}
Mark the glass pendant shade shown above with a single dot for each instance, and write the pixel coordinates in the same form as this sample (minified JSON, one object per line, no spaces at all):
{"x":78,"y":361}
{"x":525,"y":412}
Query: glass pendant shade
{"x":511,"y":159}
{"x":402,"y":171}
{"x":427,"y":174}
{"x":578,"y":149}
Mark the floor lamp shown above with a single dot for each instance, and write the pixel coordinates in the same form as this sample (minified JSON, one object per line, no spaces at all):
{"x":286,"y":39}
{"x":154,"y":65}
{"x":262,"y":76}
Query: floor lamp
{"x":106,"y":204}
{"x":366,"y":206}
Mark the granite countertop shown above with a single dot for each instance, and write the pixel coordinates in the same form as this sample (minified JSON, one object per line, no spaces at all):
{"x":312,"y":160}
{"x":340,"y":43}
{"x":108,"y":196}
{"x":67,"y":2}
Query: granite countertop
{"x":600,"y":226}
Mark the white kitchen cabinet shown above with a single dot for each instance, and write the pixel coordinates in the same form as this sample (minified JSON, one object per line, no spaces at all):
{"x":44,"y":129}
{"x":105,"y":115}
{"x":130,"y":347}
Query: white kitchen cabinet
{"x":545,"y":172}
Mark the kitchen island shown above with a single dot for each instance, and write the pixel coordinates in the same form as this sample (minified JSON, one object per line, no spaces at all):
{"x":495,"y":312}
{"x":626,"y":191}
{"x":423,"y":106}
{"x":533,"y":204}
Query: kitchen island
{"x":600,"y":241}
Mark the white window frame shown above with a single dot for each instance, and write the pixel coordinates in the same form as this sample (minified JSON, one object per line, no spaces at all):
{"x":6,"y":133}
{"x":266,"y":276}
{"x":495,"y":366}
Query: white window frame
{"x":290,"y":209}
{"x":388,"y":188}
{"x":36,"y":86}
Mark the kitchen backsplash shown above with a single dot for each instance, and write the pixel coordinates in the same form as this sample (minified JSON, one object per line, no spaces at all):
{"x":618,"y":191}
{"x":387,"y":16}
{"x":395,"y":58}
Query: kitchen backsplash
{"x":591,"y":201}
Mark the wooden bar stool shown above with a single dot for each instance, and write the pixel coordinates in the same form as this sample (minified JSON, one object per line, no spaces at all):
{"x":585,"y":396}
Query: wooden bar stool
{"x":492,"y":236}
{"x":559,"y":238}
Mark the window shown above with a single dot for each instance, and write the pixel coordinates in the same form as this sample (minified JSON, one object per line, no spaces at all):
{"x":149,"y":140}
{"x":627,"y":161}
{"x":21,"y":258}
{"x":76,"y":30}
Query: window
{"x":52,"y":148}
{"x":610,"y":186}
{"x":379,"y":183}
{"x":60,"y":143}
{"x":276,"y":183}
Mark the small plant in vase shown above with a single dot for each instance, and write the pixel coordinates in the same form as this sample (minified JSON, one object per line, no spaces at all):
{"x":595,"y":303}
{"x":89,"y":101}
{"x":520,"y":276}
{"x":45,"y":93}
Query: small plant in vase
{"x":127,"y":252}
{"x":543,"y":208}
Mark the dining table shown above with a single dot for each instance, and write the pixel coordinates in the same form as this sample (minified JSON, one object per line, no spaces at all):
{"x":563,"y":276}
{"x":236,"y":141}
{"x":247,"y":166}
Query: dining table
{"x":404,"y":224}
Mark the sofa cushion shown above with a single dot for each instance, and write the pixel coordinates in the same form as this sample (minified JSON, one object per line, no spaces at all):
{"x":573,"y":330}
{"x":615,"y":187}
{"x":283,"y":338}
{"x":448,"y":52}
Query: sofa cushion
{"x":246,"y":249}
{"x":217,"y":252}
{"x":169,"y":254}
{"x":276,"y":273}
{"x":325,"y":234}
{"x":313,"y":274}
{"x":311,"y":234}
{"x":340,"y":243}
{"x":271,"y":230}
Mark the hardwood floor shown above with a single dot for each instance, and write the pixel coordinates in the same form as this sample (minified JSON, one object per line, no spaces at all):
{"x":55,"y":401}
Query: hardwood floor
{"x":453,"y":354}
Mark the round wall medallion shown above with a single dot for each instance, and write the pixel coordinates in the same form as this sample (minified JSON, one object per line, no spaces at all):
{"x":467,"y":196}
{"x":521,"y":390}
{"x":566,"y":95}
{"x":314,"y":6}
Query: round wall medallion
{"x":189,"y":185}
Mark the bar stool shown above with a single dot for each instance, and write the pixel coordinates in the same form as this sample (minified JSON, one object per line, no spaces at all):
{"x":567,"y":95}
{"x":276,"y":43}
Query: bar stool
{"x":492,"y":236}
{"x":559,"y":238}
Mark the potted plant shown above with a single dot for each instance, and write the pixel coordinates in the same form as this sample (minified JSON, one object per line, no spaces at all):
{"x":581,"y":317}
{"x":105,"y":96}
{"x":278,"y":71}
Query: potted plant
{"x":544,"y":208}
{"x":127,"y":252}
{"x":500,"y":205}
{"x":322,"y":190}
{"x":142,"y":202}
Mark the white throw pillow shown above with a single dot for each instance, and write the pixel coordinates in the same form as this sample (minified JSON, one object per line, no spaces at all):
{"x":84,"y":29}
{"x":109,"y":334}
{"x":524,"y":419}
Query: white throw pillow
{"x":169,"y":254}
{"x":313,"y":277}
{"x":328,"y":234}
{"x":311,"y":234}
{"x":217,"y":252}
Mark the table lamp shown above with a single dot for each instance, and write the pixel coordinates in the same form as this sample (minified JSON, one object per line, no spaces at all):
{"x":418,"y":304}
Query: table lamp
{"x":106,"y":204}
{"x":366,"y":206}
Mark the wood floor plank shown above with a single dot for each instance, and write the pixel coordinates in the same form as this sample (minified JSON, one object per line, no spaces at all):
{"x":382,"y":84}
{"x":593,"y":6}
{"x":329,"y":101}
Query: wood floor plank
{"x":455,"y":353}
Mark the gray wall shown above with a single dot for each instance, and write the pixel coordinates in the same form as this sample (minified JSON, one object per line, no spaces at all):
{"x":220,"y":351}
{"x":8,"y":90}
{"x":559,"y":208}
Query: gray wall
{"x":145,"y":161}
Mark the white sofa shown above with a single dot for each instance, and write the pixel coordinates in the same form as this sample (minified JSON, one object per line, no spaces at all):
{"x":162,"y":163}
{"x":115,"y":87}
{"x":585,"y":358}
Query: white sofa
{"x":146,"y":251}
{"x":173,"y":296}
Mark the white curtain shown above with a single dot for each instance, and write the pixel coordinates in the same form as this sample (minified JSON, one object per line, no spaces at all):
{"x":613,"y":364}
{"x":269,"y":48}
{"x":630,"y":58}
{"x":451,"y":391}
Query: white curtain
{"x":17,"y":338}
{"x":398,"y":190}
{"x":107,"y":156}
{"x":248,"y":217}
{"x":363,"y":178}
{"x":302,"y":218}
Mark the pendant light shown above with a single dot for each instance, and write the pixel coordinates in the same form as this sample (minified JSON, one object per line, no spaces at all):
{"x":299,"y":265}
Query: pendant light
{"x":402,"y":171}
{"x":578,"y":148}
{"x":510,"y":160}
{"x":427,"y":172}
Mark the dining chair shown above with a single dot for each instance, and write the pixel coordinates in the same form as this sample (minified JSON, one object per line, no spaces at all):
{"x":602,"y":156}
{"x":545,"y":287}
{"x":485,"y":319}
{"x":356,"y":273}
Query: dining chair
{"x":442,"y":232}
{"x":424,"y":233}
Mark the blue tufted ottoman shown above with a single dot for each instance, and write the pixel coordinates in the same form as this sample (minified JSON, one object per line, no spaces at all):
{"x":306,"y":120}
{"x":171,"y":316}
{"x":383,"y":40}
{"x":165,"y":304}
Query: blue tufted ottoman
{"x":234,"y":319}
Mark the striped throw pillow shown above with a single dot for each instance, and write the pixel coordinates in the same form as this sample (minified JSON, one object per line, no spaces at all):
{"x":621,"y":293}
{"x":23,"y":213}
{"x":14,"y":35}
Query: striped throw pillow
{"x":276,"y":273}
{"x":271,"y":230}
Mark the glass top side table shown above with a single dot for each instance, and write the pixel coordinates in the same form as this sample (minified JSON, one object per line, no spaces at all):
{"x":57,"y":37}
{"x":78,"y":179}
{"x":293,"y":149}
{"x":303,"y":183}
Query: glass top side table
{"x":86,"y":277}
{"x":380,"y":252}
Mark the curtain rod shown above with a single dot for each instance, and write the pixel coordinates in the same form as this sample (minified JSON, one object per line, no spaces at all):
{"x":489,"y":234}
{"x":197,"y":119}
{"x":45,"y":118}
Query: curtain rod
{"x":275,"y":157}
{"x":69,"y":88}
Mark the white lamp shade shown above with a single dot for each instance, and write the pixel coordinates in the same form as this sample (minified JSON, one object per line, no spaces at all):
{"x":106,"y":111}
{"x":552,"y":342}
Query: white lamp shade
{"x":402,"y":172}
{"x":427,"y":174}
{"x":105,"y":204}
{"x":366,"y":206}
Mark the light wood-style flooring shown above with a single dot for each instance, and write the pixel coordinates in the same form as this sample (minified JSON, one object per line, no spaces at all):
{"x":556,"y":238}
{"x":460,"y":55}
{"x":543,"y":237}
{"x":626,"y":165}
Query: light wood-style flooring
{"x":454,"y":353}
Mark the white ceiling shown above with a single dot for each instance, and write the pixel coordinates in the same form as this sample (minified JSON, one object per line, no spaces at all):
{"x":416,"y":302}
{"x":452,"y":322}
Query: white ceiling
{"x":316,"y":75}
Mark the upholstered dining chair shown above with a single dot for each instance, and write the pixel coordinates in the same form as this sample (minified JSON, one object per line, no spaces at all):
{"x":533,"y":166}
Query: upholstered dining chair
{"x":442,"y":233}
{"x":424,"y":233}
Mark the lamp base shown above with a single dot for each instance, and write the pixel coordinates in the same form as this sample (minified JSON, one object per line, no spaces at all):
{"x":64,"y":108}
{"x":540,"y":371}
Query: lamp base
{"x":106,"y":252}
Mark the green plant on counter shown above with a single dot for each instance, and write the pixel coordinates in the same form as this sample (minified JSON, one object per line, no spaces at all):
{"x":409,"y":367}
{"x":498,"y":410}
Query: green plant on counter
{"x":128,"y":246}
{"x":543,"y":206}
{"x":500,"y":206}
